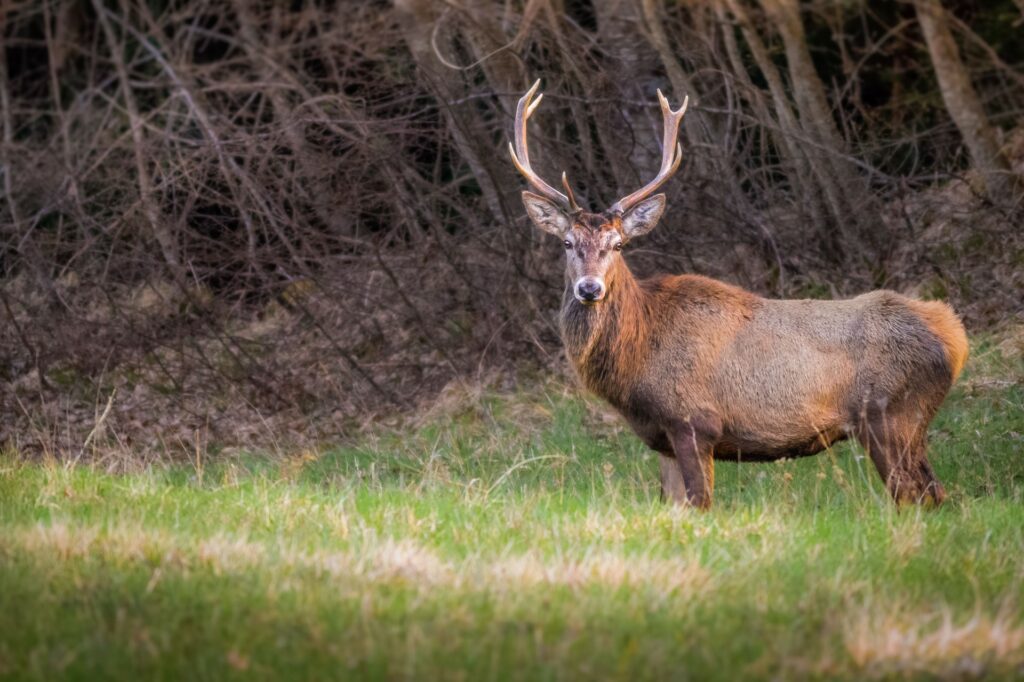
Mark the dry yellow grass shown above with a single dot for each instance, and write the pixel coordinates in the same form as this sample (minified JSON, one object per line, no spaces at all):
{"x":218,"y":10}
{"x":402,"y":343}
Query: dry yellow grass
{"x":374,"y":561}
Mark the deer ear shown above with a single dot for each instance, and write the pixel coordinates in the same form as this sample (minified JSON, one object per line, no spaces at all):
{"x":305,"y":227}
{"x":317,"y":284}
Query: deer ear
{"x":546,"y":215}
{"x":642,"y":218}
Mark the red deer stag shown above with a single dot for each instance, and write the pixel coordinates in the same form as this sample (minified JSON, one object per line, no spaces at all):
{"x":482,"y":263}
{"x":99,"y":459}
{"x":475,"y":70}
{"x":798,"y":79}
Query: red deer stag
{"x":703,"y":370}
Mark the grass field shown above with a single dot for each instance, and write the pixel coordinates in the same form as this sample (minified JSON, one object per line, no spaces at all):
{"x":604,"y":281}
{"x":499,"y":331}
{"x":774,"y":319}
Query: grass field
{"x":521,"y":537}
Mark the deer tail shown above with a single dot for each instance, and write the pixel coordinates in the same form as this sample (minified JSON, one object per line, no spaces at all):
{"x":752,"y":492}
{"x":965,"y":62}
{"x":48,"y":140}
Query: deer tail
{"x":944,"y":323}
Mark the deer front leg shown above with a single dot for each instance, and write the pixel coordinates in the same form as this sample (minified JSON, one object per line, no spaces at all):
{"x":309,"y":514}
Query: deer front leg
{"x":672,"y":487}
{"x":693,"y":442}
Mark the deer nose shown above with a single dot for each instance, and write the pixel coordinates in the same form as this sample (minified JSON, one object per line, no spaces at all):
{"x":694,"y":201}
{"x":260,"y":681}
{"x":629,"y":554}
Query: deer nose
{"x":589,"y":289}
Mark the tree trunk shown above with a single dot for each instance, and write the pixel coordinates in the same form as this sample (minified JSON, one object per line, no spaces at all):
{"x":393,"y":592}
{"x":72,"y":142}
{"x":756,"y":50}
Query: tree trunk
{"x":629,"y":75}
{"x":858,"y":217}
{"x":314,"y":190}
{"x":817,"y":188}
{"x":962,"y":101}
{"x":695,"y":127}
{"x":417,"y":20}
{"x":150,"y":204}
{"x":711,"y":159}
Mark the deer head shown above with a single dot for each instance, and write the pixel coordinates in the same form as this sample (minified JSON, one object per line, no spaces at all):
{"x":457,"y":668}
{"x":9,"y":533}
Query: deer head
{"x":593,"y":241}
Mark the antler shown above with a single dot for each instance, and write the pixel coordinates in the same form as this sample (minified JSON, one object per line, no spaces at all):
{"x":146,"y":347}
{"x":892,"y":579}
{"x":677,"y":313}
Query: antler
{"x":521,"y":156}
{"x":671,"y":156}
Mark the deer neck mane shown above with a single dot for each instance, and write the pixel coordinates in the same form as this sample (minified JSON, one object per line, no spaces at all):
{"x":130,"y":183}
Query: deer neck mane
{"x":607,"y":342}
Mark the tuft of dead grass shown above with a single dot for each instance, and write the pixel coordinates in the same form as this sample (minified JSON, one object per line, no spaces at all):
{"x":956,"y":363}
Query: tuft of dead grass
{"x":906,"y":641}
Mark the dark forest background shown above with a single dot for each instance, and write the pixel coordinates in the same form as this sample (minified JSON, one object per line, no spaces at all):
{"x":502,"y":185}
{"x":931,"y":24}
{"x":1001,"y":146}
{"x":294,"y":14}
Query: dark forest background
{"x":260,"y":224}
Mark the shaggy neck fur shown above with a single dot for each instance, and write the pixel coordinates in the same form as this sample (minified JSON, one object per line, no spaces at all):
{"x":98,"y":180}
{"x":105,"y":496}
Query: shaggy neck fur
{"x":608,"y":342}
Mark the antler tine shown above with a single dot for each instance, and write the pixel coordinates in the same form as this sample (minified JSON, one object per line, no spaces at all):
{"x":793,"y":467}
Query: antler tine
{"x":573,"y":206}
{"x":521,"y":155}
{"x":671,"y":155}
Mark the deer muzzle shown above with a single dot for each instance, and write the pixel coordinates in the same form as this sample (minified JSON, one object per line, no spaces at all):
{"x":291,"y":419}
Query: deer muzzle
{"x":589,"y":289}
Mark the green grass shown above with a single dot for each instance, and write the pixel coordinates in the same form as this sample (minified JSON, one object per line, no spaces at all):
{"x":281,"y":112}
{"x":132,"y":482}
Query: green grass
{"x":520,"y":537}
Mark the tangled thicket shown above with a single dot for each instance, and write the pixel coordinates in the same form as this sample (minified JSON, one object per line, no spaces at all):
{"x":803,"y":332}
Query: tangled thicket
{"x":239,"y":222}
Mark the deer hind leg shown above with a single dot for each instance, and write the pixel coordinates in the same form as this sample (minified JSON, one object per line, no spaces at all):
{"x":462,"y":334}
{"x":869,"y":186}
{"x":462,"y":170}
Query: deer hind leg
{"x":693,"y":443}
{"x":896,"y":440}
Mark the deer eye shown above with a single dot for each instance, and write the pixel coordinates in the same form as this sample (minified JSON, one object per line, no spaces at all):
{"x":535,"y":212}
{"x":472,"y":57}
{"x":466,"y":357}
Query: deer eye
{"x":568,"y":244}
{"x":618,"y":246}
